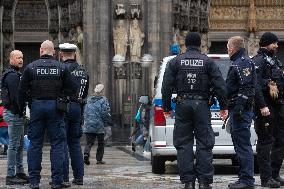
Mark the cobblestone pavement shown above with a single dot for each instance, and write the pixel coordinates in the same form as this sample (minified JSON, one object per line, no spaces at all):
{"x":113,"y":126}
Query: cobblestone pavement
{"x":127,"y":170}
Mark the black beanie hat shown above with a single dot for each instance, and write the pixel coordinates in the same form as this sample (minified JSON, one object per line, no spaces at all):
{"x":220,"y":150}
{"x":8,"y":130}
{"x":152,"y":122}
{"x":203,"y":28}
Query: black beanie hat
{"x":267,"y":38}
{"x":193,"y":39}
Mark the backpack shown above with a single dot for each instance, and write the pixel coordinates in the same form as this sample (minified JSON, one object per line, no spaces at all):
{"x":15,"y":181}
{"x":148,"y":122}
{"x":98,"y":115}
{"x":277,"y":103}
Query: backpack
{"x":81,"y":74}
{"x":5,"y":95}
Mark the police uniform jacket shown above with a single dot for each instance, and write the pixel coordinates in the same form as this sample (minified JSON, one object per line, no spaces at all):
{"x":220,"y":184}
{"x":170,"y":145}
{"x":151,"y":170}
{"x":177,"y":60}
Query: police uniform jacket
{"x":81,"y":87}
{"x":194,"y":74}
{"x":241,"y":78}
{"x":268,"y":68}
{"x":42,"y":79}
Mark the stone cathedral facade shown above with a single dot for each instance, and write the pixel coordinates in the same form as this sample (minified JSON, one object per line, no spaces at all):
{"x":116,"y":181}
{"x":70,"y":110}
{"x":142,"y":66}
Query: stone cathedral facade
{"x":131,"y":28}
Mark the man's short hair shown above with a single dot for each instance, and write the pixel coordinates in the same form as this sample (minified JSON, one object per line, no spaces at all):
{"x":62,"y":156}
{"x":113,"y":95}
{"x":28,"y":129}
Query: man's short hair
{"x":236,"y":42}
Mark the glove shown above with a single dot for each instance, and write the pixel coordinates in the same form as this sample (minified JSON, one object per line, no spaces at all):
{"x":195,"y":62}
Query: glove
{"x":273,"y":90}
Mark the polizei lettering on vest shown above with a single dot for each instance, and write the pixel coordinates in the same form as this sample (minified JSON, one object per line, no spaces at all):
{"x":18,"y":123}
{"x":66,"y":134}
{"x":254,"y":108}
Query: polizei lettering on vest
{"x":191,"y":62}
{"x":47,"y":71}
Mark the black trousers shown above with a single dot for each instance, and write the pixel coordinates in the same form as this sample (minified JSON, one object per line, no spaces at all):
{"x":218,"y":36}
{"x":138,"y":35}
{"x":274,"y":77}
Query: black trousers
{"x":193,"y":121}
{"x":270,"y":144}
{"x":90,"y":140}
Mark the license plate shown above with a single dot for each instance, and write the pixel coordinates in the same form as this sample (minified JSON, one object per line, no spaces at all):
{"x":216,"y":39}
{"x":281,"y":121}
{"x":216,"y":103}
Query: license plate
{"x":215,"y":115}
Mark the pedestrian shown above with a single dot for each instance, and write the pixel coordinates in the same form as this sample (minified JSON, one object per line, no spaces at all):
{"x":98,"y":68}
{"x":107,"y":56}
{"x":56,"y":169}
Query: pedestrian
{"x":45,"y":80}
{"x":108,"y":132}
{"x":241,"y":82}
{"x":142,"y":127}
{"x":95,"y":117}
{"x":269,"y":122}
{"x":14,"y":117}
{"x":73,"y":115}
{"x":4,"y":136}
{"x":191,"y":75}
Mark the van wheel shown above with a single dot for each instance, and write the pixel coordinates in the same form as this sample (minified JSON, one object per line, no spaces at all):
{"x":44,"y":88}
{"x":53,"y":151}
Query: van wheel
{"x":158,"y":164}
{"x":256,"y":167}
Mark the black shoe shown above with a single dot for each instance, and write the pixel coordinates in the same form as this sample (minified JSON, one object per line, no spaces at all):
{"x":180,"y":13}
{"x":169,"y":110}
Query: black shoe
{"x":56,"y":186}
{"x":13,"y":180}
{"x":204,"y":185}
{"x":279,"y":179}
{"x":271,"y":183}
{"x":133,"y":147}
{"x":240,"y":185}
{"x":77,"y":181}
{"x":4,"y":150}
{"x":101,"y":162}
{"x":34,"y":186}
{"x":22,"y":176}
{"x":86,"y":159}
{"x":189,"y":185}
{"x":65,"y":184}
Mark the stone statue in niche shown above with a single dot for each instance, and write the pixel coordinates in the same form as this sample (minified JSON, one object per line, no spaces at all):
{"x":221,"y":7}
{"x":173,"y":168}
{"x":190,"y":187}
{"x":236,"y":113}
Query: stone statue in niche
{"x":120,"y":38}
{"x":119,"y":11}
{"x":135,"y":11}
{"x":253,"y":44}
{"x":79,"y":43}
{"x":204,"y":43}
{"x":136,"y":39}
{"x":181,"y":40}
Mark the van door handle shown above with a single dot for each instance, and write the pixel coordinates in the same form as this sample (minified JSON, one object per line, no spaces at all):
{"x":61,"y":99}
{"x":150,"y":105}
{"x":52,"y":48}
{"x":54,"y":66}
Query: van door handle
{"x":216,"y":134}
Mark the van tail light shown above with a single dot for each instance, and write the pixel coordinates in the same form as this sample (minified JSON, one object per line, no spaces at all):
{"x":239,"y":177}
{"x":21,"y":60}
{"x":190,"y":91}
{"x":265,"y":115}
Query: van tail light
{"x":159,"y":118}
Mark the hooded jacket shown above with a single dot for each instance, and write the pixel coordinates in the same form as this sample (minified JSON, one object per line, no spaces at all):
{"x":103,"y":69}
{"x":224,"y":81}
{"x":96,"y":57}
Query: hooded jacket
{"x":96,"y":114}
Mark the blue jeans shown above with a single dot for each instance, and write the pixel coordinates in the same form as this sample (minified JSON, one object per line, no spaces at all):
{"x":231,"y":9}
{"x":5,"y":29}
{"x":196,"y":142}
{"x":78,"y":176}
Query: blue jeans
{"x":16,"y":140}
{"x":44,"y":115}
{"x":74,"y":132}
{"x":240,"y":133}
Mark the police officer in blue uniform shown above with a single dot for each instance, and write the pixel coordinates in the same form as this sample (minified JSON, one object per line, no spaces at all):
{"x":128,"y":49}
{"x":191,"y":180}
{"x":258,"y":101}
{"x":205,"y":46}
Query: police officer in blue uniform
{"x":241,"y":82}
{"x":269,"y":127}
{"x":73,"y":115}
{"x":191,"y":75}
{"x":45,"y":79}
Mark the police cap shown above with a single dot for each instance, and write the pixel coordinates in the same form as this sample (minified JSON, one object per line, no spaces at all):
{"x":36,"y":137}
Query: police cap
{"x":67,"y":47}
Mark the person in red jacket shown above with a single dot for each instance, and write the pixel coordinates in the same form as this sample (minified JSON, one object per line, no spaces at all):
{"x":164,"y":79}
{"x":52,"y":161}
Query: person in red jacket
{"x":4,"y":137}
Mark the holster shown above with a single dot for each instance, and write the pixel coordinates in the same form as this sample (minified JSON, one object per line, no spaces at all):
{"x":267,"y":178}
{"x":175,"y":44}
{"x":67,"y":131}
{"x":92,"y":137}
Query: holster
{"x":62,"y":104}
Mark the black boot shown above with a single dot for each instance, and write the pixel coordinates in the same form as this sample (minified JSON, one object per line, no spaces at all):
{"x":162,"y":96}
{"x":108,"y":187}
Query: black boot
{"x":240,"y":185}
{"x":189,"y":185}
{"x":4,"y":150}
{"x":86,"y":159}
{"x":271,"y":183}
{"x":13,"y":180}
{"x":204,"y":185}
{"x":279,"y":179}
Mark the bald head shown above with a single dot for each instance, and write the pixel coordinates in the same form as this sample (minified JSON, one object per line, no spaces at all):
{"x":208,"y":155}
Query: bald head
{"x":47,"y":48}
{"x":16,"y":58}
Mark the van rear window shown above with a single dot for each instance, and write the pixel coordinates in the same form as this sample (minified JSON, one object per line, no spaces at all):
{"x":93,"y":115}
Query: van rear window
{"x":224,"y":65}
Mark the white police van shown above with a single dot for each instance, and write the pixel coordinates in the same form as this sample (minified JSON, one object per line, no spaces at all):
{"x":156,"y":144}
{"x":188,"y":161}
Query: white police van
{"x":161,"y":128}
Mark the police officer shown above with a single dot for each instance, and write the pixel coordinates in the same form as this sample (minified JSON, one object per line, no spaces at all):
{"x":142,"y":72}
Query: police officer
{"x":192,"y":74}
{"x":73,"y":115}
{"x":9,"y":94}
{"x":269,"y":127}
{"x":45,"y":79}
{"x":241,"y":81}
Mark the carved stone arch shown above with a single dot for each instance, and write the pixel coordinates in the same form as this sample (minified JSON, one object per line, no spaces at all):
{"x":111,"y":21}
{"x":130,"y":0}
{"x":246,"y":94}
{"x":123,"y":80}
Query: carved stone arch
{"x":7,"y":31}
{"x":30,"y":16}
